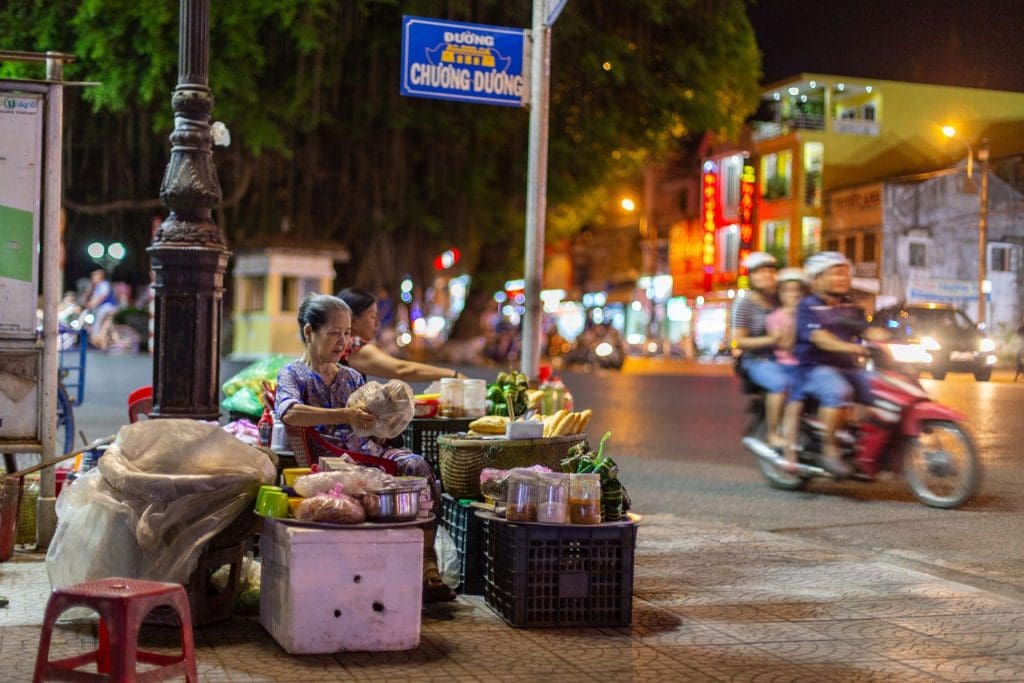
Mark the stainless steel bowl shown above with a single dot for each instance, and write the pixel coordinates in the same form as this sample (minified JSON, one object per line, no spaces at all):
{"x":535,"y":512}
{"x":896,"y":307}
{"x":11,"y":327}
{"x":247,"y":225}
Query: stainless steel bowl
{"x":392,"y":505}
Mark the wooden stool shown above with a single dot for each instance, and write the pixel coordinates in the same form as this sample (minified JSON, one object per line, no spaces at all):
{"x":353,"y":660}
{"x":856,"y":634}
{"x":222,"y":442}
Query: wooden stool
{"x":122,"y":604}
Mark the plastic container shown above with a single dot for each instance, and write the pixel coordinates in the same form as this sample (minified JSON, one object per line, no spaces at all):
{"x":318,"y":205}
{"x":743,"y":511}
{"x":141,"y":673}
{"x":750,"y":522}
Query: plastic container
{"x":474,"y":397}
{"x":466,"y":530}
{"x":553,"y":498}
{"x":10,"y":495}
{"x":451,"y":397}
{"x":537,"y":575}
{"x":585,"y":498}
{"x":521,"y":502}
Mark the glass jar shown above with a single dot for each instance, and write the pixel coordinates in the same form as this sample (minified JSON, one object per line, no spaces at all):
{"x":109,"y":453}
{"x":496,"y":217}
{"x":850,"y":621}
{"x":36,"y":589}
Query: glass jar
{"x":521,"y":503}
{"x":474,"y":398}
{"x":553,"y":498}
{"x":585,"y":499}
{"x":451,"y":397}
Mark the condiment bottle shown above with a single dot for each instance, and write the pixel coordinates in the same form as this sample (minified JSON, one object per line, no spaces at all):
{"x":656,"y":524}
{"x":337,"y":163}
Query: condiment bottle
{"x":266,"y":427}
{"x":451,"y":397}
{"x":585,"y":499}
{"x":553,"y":498}
{"x":521,"y":503}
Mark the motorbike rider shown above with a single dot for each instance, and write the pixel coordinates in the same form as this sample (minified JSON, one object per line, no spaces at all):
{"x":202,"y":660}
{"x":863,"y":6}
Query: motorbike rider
{"x":755,"y":345}
{"x":829,"y":329}
{"x":103,"y":304}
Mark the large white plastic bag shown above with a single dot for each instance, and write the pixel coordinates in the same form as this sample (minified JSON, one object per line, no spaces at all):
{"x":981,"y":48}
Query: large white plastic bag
{"x":161,"y":491}
{"x":393,"y":404}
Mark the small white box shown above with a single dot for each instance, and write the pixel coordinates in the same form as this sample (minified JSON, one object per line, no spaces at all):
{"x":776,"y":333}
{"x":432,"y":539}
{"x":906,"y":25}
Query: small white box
{"x":524,"y":430}
{"x":335,"y":590}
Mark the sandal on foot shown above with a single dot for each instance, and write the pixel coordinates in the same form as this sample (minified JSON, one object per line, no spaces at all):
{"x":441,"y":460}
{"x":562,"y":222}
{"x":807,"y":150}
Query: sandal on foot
{"x":436,"y":590}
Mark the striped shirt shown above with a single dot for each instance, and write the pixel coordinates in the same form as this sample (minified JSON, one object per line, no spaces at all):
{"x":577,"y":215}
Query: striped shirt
{"x":749,"y":315}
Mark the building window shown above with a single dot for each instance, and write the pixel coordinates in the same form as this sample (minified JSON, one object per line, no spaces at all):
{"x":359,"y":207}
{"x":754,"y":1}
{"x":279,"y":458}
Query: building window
{"x":869,"y":247}
{"x":869,"y":112}
{"x":814,"y":160}
{"x":850,"y":248}
{"x":810,"y":235}
{"x":732,"y":169}
{"x":999,"y":259}
{"x":832,"y":245}
{"x":918,"y":255}
{"x":776,"y":171}
{"x":728,"y":249}
{"x":775,"y":239}
{"x":252,"y":293}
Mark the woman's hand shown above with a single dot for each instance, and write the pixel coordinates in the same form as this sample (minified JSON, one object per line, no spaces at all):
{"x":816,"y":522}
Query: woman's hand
{"x":357,"y":417}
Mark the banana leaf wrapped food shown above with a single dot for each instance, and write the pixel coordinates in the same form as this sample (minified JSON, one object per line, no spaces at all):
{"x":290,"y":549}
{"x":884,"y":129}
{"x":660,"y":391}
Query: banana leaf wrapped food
{"x":615,"y":500}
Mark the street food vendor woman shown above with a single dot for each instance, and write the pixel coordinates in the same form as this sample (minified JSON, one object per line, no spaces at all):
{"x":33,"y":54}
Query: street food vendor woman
{"x":313,"y":392}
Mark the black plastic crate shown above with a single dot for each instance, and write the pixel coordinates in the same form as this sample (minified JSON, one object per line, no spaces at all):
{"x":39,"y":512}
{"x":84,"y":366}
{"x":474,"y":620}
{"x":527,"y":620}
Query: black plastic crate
{"x":466,"y":529}
{"x":421,"y":436}
{"x":566,"y":575}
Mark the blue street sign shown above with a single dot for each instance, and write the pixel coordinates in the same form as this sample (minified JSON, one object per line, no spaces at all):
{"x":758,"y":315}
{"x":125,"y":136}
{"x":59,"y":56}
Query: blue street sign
{"x":453,"y":60}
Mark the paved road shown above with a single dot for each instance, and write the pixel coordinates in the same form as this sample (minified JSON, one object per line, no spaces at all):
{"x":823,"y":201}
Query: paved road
{"x":676,"y":435}
{"x":677,"y":440}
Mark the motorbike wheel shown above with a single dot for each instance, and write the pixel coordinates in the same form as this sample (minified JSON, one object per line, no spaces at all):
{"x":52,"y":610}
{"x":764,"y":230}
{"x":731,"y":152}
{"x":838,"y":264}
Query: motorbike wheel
{"x":941,"y":465}
{"x":777,"y":478}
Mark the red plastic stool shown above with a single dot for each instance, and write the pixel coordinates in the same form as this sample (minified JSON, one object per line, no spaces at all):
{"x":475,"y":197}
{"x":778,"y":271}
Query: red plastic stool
{"x":122,"y":605}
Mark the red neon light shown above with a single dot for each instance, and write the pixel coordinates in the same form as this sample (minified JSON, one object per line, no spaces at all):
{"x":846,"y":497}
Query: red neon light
{"x":747,"y":188}
{"x":710,"y":223}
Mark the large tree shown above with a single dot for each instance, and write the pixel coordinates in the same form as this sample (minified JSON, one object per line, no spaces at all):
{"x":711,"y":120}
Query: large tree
{"x":325,"y":148}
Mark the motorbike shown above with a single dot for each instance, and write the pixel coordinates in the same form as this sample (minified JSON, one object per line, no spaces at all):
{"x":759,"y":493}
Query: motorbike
{"x":903,"y":432}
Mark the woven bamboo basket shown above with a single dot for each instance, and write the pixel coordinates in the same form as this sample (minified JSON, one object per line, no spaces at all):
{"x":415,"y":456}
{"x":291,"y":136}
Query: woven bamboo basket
{"x":461,"y":458}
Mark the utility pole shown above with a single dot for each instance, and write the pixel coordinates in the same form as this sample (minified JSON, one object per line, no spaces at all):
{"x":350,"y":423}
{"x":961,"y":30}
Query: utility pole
{"x":983,"y":230}
{"x":189,"y":254}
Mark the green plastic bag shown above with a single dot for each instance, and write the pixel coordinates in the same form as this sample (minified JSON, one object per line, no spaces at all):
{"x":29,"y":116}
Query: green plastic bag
{"x":243,"y":392}
{"x":243,"y":402}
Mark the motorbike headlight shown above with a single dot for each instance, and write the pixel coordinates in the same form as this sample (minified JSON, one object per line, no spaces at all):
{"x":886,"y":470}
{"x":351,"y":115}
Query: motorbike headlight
{"x":930,"y":344}
{"x":603,"y":350}
{"x":987,"y":345}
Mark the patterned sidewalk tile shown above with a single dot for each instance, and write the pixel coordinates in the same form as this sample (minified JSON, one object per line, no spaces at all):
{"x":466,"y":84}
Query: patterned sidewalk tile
{"x":710,"y":604}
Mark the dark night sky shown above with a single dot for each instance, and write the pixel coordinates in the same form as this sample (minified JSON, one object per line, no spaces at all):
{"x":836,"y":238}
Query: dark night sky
{"x":974,"y":43}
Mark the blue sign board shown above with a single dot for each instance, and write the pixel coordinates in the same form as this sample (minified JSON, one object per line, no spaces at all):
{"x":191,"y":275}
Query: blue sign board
{"x":453,"y":60}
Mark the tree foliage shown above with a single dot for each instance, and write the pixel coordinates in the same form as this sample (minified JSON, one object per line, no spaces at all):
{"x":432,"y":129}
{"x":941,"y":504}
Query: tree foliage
{"x":325,"y":148}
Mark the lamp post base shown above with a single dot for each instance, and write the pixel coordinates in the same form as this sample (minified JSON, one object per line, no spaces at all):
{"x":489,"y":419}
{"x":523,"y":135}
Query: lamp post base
{"x":189,"y":292}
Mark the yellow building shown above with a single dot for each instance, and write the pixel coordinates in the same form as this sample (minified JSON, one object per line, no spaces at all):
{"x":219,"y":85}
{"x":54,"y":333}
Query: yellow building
{"x":269,"y":285}
{"x":821,"y":133}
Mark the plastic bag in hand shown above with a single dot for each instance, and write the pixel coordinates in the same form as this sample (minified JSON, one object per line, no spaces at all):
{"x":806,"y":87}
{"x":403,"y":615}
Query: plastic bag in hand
{"x":393,"y":404}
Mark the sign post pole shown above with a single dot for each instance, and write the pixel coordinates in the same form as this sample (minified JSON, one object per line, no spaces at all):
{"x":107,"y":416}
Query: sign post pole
{"x":536,"y":190}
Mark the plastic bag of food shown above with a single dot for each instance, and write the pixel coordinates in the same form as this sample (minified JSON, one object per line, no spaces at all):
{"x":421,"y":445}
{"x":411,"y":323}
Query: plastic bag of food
{"x":393,"y":404}
{"x":494,"y":483}
{"x":354,"y":481}
{"x":243,"y":392}
{"x":331,"y":508}
{"x":147,"y":510}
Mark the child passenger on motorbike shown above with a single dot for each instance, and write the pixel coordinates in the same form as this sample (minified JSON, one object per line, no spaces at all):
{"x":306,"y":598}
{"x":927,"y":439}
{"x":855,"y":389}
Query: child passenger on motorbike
{"x":781,"y":324}
{"x":829,"y":329}
{"x":751,"y":340}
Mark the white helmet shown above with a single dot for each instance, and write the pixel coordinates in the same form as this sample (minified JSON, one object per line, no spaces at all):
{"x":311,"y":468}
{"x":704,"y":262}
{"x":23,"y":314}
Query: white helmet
{"x":759,"y":259}
{"x":790,"y":275}
{"x":816,"y":264}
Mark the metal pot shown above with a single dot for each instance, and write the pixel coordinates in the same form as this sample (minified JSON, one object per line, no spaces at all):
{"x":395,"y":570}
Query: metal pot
{"x":392,"y":505}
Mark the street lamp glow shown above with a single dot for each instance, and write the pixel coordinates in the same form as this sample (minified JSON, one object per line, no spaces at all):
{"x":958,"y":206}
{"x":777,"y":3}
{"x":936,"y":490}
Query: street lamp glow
{"x":116,"y":251}
{"x":949,"y":131}
{"x":628,"y":204}
{"x":95,"y":250}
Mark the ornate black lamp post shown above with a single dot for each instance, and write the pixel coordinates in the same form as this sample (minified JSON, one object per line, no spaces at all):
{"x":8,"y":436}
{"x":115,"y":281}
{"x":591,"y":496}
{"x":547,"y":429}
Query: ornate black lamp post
{"x":189,"y":254}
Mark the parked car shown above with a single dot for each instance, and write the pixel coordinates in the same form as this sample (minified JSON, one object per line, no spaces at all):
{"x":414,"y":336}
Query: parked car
{"x":937,"y":338}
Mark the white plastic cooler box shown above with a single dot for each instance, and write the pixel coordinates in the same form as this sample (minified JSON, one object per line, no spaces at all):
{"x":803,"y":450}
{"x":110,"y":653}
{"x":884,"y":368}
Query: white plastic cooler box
{"x":334,"y":590}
